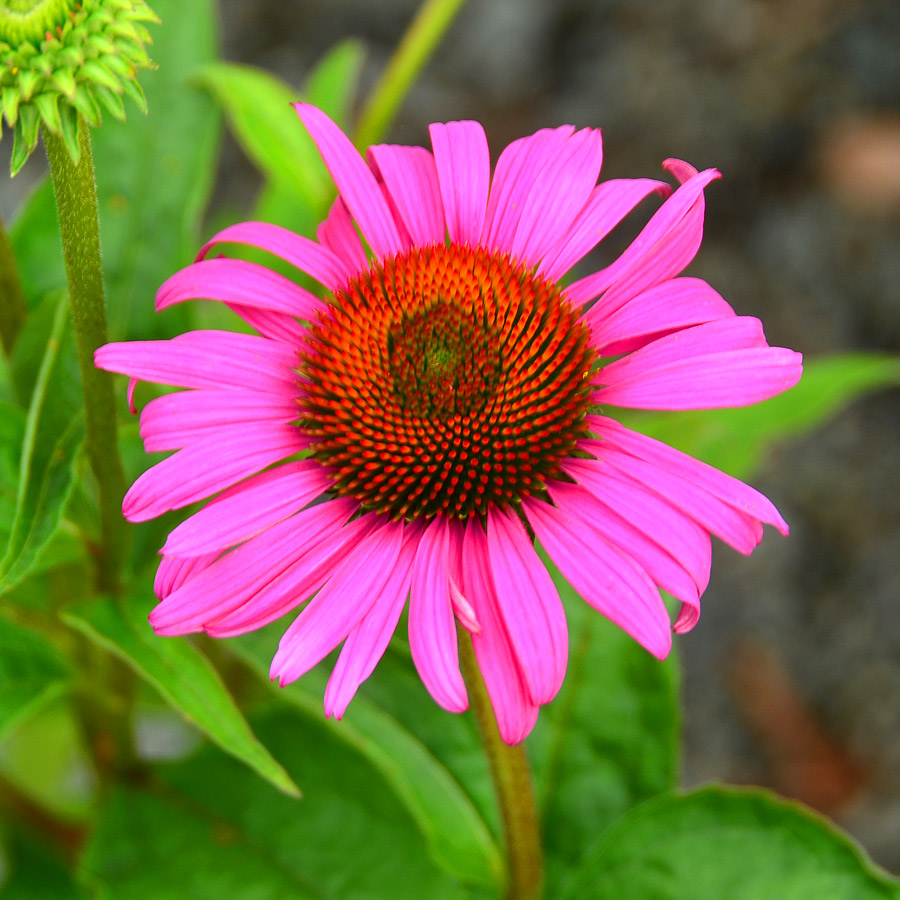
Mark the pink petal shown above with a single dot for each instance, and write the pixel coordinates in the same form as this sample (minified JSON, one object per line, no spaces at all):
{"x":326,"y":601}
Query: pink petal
{"x":719,"y":364}
{"x":517,"y":170}
{"x":587,"y":511}
{"x":737,"y":528}
{"x":200,"y":359}
{"x":234,"y":578}
{"x":606,"y":578}
{"x":513,"y":708}
{"x":666,"y":245}
{"x":344,"y":600}
{"x":464,"y":170}
{"x":411,"y":179}
{"x":529,"y":606}
{"x":273,"y":325}
{"x":671,"y":306}
{"x":290,"y":586}
{"x":355,"y":181}
{"x":250,"y":507}
{"x":307,"y":255}
{"x":432,"y":628}
{"x":366,"y":643}
{"x":667,"y":526}
{"x":174,"y":571}
{"x":339,"y":236}
{"x":240,"y":282}
{"x":557,"y":196}
{"x":173,"y":421}
{"x":209,"y":466}
{"x":608,"y":204}
{"x":725,"y":487}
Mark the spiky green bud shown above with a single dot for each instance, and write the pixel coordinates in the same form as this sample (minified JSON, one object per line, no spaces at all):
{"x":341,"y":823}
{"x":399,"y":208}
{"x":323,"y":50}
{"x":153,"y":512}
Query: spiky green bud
{"x":62,"y":58}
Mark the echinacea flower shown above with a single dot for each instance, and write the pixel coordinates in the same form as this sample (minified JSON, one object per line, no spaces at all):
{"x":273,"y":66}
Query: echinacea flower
{"x":408,"y":432}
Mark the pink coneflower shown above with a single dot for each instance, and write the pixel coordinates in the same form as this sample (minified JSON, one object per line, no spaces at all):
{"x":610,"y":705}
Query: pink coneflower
{"x":440,"y":407}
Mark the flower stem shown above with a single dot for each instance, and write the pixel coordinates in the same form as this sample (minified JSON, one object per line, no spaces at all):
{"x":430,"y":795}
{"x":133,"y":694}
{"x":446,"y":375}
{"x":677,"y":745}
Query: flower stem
{"x":414,"y":50}
{"x":511,"y":775}
{"x":76,"y":203}
{"x":13,"y":308}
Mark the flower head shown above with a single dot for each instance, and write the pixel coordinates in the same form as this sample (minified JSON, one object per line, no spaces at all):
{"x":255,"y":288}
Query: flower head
{"x":410,"y":431}
{"x":62,"y":58}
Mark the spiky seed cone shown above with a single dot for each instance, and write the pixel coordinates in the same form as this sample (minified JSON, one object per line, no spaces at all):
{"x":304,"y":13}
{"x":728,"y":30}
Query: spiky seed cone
{"x":62,"y":58}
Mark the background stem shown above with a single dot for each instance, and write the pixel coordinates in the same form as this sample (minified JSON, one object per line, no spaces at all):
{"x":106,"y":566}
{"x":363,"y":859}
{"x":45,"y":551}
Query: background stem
{"x":420,"y":40}
{"x":76,"y":203}
{"x":13,"y":308}
{"x":511,"y":775}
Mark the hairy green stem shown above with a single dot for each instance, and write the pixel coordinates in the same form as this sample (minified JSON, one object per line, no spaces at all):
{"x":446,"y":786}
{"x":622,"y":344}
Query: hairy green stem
{"x":76,"y":203}
{"x":13,"y":309}
{"x":414,"y":50}
{"x":511,"y":775}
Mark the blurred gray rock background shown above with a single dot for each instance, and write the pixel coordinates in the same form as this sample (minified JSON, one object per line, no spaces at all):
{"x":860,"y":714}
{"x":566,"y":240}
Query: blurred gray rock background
{"x":792,"y":677}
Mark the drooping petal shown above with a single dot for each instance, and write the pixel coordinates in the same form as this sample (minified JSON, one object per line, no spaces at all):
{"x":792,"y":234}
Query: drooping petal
{"x":609,"y":203}
{"x":306,"y":255}
{"x":354,"y":180}
{"x":339,"y":236}
{"x":274,"y":325}
{"x":199,"y":359}
{"x":295,"y":582}
{"x":671,"y":306}
{"x":719,"y":364}
{"x":664,"y":247}
{"x":463,"y":165}
{"x":174,"y":571}
{"x":366,"y":643}
{"x":411,"y":179}
{"x":240,"y":282}
{"x":432,"y":628}
{"x":226,"y":584}
{"x":737,"y":528}
{"x":660,"y":521}
{"x":517,"y":170}
{"x":249,"y":508}
{"x":716,"y":482}
{"x":529,"y":606}
{"x":209,"y":466}
{"x":608,"y":579}
{"x":513,"y":708}
{"x":557,"y":196}
{"x":173,"y":421}
{"x":337,"y":608}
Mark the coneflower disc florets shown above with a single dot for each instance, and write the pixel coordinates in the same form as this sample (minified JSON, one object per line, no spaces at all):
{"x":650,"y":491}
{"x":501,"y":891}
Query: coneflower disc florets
{"x":447,"y":379}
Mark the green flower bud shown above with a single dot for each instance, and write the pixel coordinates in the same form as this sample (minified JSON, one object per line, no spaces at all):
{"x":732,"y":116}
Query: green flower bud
{"x":62,"y":58}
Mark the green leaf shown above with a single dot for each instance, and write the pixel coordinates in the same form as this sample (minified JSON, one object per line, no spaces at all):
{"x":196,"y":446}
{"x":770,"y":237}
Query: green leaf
{"x":611,"y":737}
{"x":207,"y":829}
{"x":720,"y":843}
{"x":259,"y":111}
{"x":54,"y":431}
{"x":333,"y":82}
{"x":735,"y":440}
{"x":31,"y":674}
{"x":32,"y":872}
{"x":182,"y":676}
{"x":458,"y":839}
{"x":155,"y":174}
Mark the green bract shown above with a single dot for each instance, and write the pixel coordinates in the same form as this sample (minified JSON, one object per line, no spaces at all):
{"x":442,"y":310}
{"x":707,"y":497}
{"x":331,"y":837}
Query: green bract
{"x":59,"y":58}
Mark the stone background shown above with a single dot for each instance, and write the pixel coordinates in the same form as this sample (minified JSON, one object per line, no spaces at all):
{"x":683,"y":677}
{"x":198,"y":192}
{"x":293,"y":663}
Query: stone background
{"x":792,"y":678}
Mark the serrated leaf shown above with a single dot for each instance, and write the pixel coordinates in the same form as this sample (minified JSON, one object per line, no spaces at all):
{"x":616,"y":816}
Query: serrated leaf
{"x":609,"y":740}
{"x":211,"y":830}
{"x":259,"y":111}
{"x":182,"y":675}
{"x":720,"y":843}
{"x":31,"y":674}
{"x":54,"y":431}
{"x":155,"y":174}
{"x":457,"y":836}
{"x":332,"y":84}
{"x":736,"y":440}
